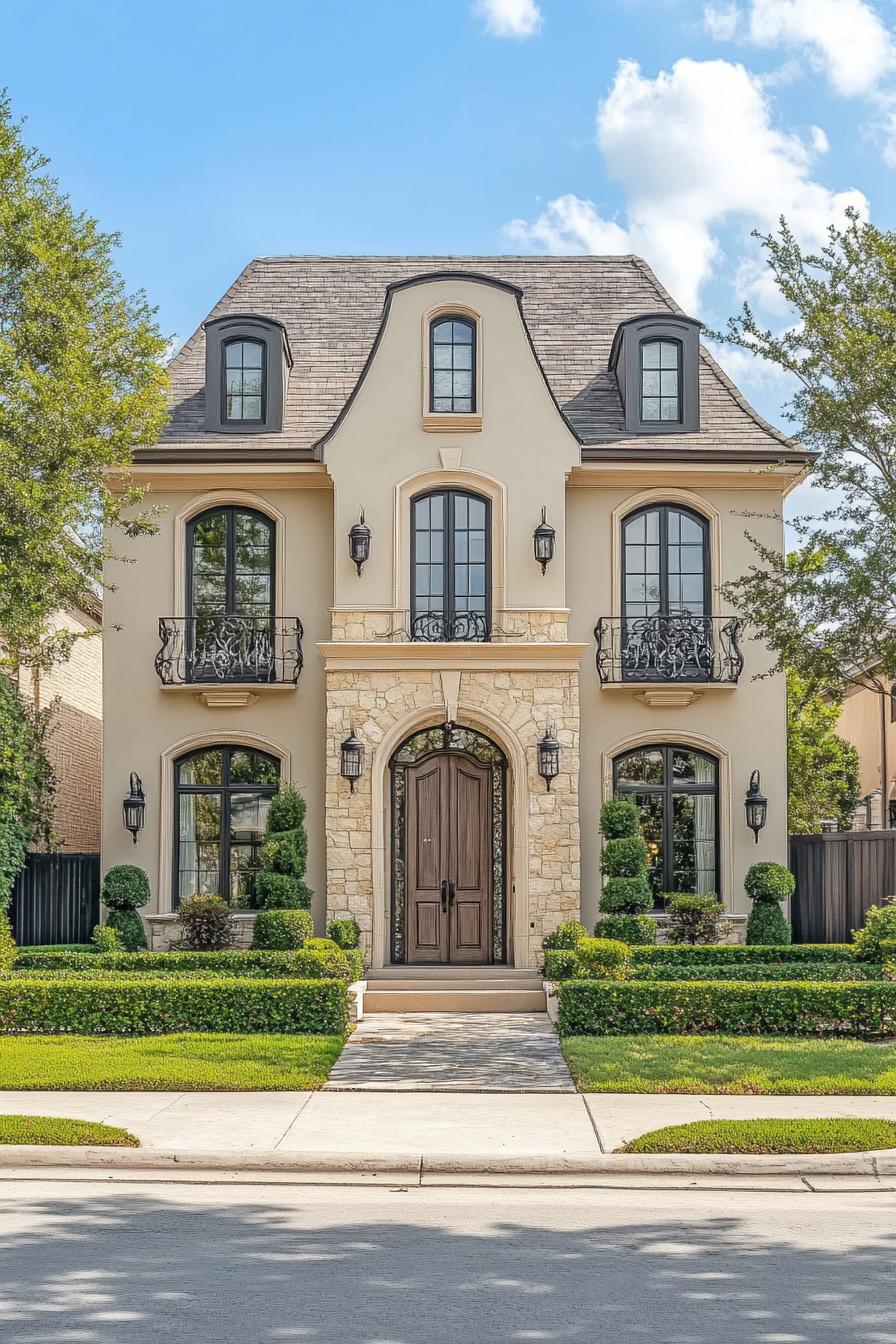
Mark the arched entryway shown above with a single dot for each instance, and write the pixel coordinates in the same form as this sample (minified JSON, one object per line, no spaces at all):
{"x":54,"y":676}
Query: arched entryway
{"x":448,"y":849}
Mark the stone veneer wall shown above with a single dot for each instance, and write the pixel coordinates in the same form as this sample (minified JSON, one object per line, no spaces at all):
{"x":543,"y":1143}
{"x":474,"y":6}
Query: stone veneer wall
{"x":374,"y":701}
{"x":538,"y":626}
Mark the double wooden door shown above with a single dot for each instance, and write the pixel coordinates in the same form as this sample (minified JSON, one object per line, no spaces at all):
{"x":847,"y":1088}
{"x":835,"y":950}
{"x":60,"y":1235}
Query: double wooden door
{"x":448,"y":848}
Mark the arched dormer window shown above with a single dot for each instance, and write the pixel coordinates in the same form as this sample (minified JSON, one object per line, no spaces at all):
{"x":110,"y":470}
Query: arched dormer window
{"x":247,"y":362}
{"x":452,"y":364}
{"x":656,"y":360}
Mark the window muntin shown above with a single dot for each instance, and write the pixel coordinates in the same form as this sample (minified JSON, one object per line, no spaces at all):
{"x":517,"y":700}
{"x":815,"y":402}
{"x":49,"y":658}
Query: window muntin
{"x":665,"y":563}
{"x":244,"y":381}
{"x":221,"y":798}
{"x":230,"y":603}
{"x":452,"y":365}
{"x":660,"y":381}
{"x":677,"y":792}
{"x":450,"y":566}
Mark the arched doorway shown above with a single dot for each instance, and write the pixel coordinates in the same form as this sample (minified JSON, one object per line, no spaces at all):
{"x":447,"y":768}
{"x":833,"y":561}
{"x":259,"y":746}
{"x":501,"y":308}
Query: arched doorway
{"x":448,"y":842}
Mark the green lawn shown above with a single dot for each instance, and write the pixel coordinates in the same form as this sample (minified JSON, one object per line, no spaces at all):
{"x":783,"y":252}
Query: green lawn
{"x":179,"y":1062}
{"x":776,"y":1065}
{"x":49,"y":1129}
{"x":768,"y":1136}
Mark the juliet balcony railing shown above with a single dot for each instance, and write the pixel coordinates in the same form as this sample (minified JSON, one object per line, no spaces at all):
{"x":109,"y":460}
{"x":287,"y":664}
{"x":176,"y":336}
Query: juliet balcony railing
{"x":438,"y":627}
{"x":678,"y":647}
{"x":229,"y":649}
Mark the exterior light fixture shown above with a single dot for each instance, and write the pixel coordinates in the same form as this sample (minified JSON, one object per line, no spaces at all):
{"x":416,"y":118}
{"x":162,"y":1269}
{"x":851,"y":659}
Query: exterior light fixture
{"x":543,"y":541}
{"x":755,"y":806}
{"x":134,"y":807}
{"x":351,"y":758}
{"x":359,"y":543}
{"x":549,"y":758}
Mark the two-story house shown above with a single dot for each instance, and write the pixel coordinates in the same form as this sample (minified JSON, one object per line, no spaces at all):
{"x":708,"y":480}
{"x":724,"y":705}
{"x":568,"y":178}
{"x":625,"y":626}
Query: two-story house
{"x":442,"y":542}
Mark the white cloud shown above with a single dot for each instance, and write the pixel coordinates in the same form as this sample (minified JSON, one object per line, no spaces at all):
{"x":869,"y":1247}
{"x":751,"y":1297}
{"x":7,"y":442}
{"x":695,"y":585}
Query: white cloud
{"x":695,"y":149}
{"x":722,"y":23}
{"x":510,"y":18}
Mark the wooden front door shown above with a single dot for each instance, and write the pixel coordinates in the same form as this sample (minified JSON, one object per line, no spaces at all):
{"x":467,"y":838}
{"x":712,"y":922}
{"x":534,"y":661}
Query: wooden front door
{"x":448,"y":847}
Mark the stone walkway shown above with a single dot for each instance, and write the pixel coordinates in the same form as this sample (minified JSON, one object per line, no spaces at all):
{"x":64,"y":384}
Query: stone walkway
{"x":452,"y":1052}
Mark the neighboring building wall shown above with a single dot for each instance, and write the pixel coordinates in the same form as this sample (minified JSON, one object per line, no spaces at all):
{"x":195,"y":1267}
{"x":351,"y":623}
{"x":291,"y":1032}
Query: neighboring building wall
{"x":864,"y":718}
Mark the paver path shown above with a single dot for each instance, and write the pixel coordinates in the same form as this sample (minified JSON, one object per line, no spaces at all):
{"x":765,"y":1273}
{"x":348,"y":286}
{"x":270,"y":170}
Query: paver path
{"x":452,"y":1052}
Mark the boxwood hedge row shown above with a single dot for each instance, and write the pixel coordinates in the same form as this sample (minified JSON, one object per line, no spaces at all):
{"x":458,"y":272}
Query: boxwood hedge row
{"x":302,"y":962}
{"x":696,"y":955}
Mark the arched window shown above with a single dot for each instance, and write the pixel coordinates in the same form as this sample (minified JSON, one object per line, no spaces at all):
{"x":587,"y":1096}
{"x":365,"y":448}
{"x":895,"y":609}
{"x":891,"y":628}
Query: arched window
{"x":450,"y":566}
{"x":452,"y":364}
{"x":230,"y":587}
{"x":677,"y":791}
{"x":221,"y":798}
{"x":666,"y":623}
{"x":244,"y":382}
{"x":660,"y":381}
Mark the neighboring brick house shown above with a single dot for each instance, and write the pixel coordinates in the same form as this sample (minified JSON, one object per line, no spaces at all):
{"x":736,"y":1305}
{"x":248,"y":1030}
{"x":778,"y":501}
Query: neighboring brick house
{"x":484,"y":505}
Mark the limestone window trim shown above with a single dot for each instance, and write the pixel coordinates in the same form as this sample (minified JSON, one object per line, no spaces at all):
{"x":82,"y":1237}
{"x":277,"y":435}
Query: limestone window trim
{"x":665,"y":495}
{"x":462,"y":479}
{"x":660,"y":736}
{"x":223,"y":735}
{"x":214,"y":499}
{"x":454,"y":422}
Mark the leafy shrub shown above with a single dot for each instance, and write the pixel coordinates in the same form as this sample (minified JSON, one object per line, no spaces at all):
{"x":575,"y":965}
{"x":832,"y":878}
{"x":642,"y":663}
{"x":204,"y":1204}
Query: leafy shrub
{"x":767,"y":925}
{"x":623,"y":860}
{"x":105,"y":939}
{"x":626,"y":856}
{"x":619,"y":817}
{"x":125,"y":889}
{"x":602,"y":958}
{"x":128,"y":929}
{"x":560,"y":963}
{"x":204,"y":924}
{"x":752,"y":970}
{"x":879,"y":926}
{"x":345,"y":932}
{"x":769,"y":883}
{"x":284,"y":855}
{"x":735,"y":953}
{"x":626,"y":896}
{"x":121,"y":1005}
{"x":631,"y":929}
{"x":7,"y":945}
{"x":694,"y":918}
{"x":299,"y":962}
{"x":280,"y":930}
{"x":846,"y":1008}
{"x":566,"y":935}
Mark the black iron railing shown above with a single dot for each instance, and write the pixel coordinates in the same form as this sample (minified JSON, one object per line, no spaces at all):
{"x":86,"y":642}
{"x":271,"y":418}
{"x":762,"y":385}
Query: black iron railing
{"x":229,"y":649}
{"x":674,"y":647}
{"x":436,"y":627}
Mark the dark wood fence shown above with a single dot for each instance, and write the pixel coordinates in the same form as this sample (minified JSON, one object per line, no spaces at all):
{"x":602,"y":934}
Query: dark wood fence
{"x":56,"y":899}
{"x":837,"y":877}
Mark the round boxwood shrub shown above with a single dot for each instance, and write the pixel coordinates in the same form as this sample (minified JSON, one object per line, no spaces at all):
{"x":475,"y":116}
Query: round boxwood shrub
{"x":335,"y":961}
{"x":602,"y":958}
{"x":279,"y":881}
{"x":694,"y":917}
{"x":767,"y":884}
{"x":204,"y":923}
{"x":105,"y":939}
{"x":566,"y":935}
{"x":282,"y":930}
{"x":626,"y":856}
{"x":626,"y":896}
{"x":879,"y":927}
{"x":125,"y":889}
{"x":623,"y":860}
{"x":619,"y":817}
{"x":346,"y":933}
{"x":636,"y":930}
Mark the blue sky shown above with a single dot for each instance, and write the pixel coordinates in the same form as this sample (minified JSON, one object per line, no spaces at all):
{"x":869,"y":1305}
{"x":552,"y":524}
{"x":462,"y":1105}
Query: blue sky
{"x":209,"y":133}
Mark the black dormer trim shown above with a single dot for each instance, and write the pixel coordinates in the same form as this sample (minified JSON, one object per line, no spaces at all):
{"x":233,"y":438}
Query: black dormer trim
{"x":219,"y":333}
{"x":625,"y":362}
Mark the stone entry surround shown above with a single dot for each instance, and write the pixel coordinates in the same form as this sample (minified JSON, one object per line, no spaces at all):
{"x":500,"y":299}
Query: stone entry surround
{"x":384,"y":702}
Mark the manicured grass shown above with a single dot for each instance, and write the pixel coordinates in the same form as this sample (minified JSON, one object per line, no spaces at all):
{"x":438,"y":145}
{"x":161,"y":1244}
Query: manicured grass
{"x":768,"y":1136}
{"x":49,"y":1129}
{"x":775,"y":1065}
{"x":180,"y":1062}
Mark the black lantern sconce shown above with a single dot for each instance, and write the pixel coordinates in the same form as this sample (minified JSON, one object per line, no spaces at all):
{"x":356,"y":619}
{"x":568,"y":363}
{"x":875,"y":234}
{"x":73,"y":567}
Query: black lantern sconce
{"x":351,"y":758}
{"x":543,"y":541}
{"x":755,"y":806}
{"x":134,"y":806}
{"x":359,"y":543}
{"x":549,"y":758}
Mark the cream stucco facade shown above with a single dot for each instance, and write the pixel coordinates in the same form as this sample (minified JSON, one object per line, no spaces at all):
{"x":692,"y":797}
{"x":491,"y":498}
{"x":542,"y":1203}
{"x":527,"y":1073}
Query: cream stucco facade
{"x":363,"y":671}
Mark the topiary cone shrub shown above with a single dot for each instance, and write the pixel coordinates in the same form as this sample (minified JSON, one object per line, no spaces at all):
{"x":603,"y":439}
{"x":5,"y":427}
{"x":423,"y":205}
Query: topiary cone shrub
{"x":623,"y":861}
{"x":767,"y":885}
{"x":284,"y":855}
{"x":125,"y":890}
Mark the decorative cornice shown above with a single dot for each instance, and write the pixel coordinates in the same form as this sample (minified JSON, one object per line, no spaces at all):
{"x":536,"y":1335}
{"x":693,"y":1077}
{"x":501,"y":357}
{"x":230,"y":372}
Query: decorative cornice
{"x":343,"y":656}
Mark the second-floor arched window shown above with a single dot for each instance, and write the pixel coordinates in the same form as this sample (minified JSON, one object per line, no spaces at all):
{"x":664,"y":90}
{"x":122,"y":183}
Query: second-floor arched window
{"x":452,"y":364}
{"x":450,"y":566}
{"x":666,"y":629}
{"x":230,"y":595}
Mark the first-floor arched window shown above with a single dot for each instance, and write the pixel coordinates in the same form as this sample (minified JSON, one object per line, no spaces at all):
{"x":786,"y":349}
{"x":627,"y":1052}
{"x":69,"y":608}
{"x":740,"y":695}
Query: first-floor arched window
{"x":221,"y":799}
{"x":677,"y":792}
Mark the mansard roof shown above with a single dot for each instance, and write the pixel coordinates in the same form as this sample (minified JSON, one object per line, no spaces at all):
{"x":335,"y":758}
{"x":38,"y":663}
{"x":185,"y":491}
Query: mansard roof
{"x":332,"y":309}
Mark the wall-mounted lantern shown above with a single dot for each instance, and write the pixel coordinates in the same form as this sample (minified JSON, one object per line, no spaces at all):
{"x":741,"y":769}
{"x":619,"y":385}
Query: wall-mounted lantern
{"x":351,"y":754}
{"x":134,"y":806}
{"x":755,"y":806}
{"x":543,"y":541}
{"x":549,"y":758}
{"x":359,"y":543}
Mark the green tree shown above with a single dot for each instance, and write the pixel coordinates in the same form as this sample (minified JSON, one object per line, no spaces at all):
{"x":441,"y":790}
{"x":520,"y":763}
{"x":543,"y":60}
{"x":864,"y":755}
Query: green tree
{"x":822,"y":768}
{"x":829,"y":610}
{"x":26,"y":783}
{"x":81,"y":385}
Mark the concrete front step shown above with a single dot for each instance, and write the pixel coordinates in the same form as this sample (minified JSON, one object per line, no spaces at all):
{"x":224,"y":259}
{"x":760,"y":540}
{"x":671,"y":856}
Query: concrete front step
{"x":446,"y":982}
{"x":452,"y":999}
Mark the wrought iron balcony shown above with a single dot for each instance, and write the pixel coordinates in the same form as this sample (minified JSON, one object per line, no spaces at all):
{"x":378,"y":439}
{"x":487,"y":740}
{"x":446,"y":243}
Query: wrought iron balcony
{"x":227,"y":649}
{"x":676,"y":647}
{"x":437,"y":627}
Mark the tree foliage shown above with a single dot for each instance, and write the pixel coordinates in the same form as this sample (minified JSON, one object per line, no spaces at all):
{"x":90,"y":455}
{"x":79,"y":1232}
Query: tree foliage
{"x":81,"y":385}
{"x":822,"y":768}
{"x":26,"y":783}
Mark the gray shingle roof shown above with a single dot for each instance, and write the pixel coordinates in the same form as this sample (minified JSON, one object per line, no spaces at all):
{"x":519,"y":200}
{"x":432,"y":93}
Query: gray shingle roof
{"x":332,"y":307}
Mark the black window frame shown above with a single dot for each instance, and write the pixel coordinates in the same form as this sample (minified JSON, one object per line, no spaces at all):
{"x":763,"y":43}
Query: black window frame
{"x":232,"y":421}
{"x":474,"y":337}
{"x":664,"y":509}
{"x":668,"y":789}
{"x":231,"y":511}
{"x":226,"y":789}
{"x":679,"y":373}
{"x":449,"y":614}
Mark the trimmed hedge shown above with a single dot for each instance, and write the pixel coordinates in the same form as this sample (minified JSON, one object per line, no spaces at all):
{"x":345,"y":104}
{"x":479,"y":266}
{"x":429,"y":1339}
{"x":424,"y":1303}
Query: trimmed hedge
{"x":701,"y":953}
{"x":788,"y":1008}
{"x":121,"y":1005}
{"x":560,"y":963}
{"x":301,"y":962}
{"x":757,"y":970}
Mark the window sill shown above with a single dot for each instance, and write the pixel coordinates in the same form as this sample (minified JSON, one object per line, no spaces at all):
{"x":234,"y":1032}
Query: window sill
{"x":668,"y":694}
{"x":458,"y":422}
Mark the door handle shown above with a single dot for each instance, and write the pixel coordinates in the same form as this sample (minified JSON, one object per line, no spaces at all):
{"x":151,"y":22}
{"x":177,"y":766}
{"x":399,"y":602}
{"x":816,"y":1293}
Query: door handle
{"x":451,"y":893}
{"x":445,"y":889}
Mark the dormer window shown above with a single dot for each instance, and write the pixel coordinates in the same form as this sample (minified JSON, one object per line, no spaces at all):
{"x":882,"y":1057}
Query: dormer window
{"x":244,"y":379}
{"x":452,"y":363}
{"x":247,"y":363}
{"x":656,"y":360}
{"x":660,"y":381}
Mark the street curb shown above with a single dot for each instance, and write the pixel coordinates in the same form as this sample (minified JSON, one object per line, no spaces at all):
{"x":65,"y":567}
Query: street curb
{"x":21,"y":1157}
